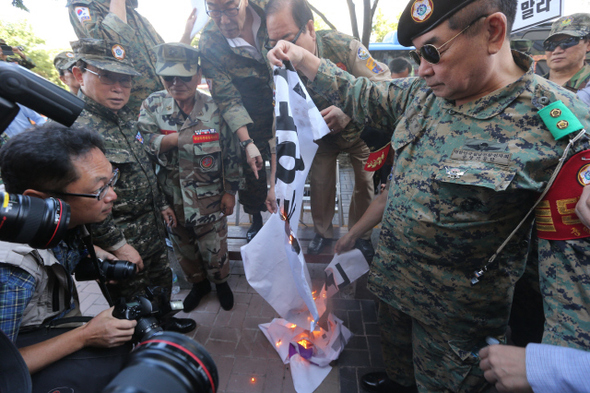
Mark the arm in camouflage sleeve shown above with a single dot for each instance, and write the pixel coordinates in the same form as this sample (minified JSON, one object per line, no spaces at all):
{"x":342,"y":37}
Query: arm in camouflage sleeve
{"x":107,"y":235}
{"x":231,"y":153}
{"x":147,"y":125}
{"x":102,"y":24}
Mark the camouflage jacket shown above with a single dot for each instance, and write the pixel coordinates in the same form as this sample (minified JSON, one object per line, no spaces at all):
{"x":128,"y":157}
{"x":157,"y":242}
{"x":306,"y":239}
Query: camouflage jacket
{"x":92,"y":19}
{"x":136,"y":215}
{"x":579,"y":80}
{"x":195,"y":176}
{"x":350,"y":55}
{"x":464,"y":176}
{"x":26,"y":62}
{"x":241,"y":85}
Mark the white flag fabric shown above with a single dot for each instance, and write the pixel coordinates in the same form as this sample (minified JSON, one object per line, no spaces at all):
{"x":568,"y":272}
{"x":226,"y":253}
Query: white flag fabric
{"x":273,"y":260}
{"x":202,"y":17}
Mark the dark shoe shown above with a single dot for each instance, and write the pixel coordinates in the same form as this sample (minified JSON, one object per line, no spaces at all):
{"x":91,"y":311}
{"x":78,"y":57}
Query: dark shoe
{"x":253,"y":230}
{"x":366,"y":248}
{"x":225,"y":296}
{"x":379,"y":382}
{"x":199,"y":290}
{"x":180,"y":325}
{"x":316,"y":244}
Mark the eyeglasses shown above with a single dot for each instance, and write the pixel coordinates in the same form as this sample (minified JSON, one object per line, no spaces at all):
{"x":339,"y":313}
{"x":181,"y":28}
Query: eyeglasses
{"x":271,"y":44}
{"x":230,"y":12}
{"x":431,"y":53}
{"x":111,"y":78}
{"x":101,"y":193}
{"x":550,"y":46}
{"x":185,"y":79}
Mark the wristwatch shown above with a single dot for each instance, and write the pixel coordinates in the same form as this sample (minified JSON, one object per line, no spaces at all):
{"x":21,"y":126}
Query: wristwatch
{"x":246,"y":143}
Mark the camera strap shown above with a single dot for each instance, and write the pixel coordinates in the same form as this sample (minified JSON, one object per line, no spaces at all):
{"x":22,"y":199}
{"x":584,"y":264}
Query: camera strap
{"x":101,"y":278}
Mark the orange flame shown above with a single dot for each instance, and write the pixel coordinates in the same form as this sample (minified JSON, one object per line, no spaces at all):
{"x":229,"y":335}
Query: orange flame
{"x":278,"y":343}
{"x":305,"y":344}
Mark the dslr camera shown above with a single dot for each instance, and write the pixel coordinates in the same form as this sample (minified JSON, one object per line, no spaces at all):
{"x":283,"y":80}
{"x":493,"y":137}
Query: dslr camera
{"x":109,"y":270}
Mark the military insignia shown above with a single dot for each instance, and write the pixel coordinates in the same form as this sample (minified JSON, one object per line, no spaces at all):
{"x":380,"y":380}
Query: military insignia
{"x":208,"y":135}
{"x":584,"y":175}
{"x":363,"y":54}
{"x":83,"y":14}
{"x":139,"y":137}
{"x":69,"y":54}
{"x":206,"y":162}
{"x":567,"y":21}
{"x":118,"y":52}
{"x":377,"y":158}
{"x":454,"y":173}
{"x":555,"y":112}
{"x":562,"y":124}
{"x":373,"y":66}
{"x":421,"y":10}
{"x":341,"y":66}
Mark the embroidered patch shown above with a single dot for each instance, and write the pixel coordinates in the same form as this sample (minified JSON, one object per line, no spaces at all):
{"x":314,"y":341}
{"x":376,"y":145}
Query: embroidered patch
{"x":584,"y":175}
{"x":341,"y":66}
{"x":567,"y":21}
{"x":363,"y":54}
{"x":209,"y":135}
{"x":139,"y":137}
{"x":482,"y":156}
{"x":421,"y":10}
{"x":207,"y":162}
{"x":83,"y":14}
{"x":118,"y":52}
{"x":373,"y":66}
{"x":69,"y":54}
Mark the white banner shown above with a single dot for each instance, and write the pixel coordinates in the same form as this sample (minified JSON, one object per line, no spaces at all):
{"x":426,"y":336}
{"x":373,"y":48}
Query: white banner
{"x":533,"y":12}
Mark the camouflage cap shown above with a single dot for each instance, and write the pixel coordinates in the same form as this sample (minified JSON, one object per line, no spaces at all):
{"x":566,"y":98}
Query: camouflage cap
{"x":576,"y":25}
{"x":421,"y":16}
{"x":108,"y":56}
{"x":64,"y":60}
{"x":176,"y":59}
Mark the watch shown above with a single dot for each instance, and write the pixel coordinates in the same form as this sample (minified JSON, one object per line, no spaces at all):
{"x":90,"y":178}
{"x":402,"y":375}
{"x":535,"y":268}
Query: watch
{"x":246,"y":143}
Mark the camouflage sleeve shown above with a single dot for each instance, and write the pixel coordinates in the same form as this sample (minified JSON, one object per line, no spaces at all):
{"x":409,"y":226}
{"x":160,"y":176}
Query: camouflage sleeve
{"x":107,"y":235}
{"x":26,"y":62}
{"x":366,"y":66}
{"x":147,"y":125}
{"x":231,"y":152}
{"x":223,"y":91}
{"x":100,"y":24}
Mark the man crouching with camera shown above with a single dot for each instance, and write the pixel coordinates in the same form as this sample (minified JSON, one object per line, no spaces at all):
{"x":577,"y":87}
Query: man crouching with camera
{"x":36,"y":286}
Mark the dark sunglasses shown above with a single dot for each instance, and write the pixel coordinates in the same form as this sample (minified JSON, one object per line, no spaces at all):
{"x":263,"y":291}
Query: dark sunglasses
{"x":185,"y":79}
{"x":431,"y":53}
{"x":550,"y":46}
{"x":271,"y":44}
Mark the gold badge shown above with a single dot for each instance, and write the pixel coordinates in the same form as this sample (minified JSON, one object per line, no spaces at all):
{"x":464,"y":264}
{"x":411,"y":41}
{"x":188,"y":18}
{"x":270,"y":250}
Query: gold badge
{"x":562,"y":124}
{"x":555,"y":112}
{"x":421,"y":10}
{"x":118,"y":52}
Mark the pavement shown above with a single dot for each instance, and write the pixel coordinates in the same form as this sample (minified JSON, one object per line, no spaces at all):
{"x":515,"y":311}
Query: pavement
{"x":245,"y":359}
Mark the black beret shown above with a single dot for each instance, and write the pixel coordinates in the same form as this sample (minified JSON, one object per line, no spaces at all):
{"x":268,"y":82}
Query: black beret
{"x":421,"y":16}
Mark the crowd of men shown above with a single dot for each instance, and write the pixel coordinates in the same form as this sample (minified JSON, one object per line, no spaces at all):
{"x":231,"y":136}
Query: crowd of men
{"x":476,"y":137}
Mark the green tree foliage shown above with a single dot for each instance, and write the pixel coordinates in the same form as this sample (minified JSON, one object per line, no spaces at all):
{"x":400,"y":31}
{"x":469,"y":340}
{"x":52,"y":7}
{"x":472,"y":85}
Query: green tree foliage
{"x":19,"y":4}
{"x":21,"y":34}
{"x":382,"y":26}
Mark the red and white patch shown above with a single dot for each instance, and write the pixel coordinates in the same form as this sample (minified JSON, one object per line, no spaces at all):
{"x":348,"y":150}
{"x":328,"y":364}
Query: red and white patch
{"x":83,"y":14}
{"x":421,"y":10}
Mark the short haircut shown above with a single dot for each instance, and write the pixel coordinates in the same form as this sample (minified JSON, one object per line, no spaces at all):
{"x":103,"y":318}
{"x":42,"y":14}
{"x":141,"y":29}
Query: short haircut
{"x":480,"y":8}
{"x":81,"y":64}
{"x":300,"y":10}
{"x":399,"y":64}
{"x":41,"y":158}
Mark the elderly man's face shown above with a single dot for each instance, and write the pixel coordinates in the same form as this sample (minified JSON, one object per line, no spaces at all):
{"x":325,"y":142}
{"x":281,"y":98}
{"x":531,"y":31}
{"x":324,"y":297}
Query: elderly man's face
{"x":571,"y":58}
{"x":230,"y":25}
{"x":463,"y":64}
{"x":282,"y":26}
{"x":109,"y":89}
{"x":179,"y":89}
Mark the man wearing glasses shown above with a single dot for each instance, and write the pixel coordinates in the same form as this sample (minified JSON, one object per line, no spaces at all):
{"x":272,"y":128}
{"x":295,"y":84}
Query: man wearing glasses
{"x":234,"y":63}
{"x":566,"y":48}
{"x":36,"y":285}
{"x":472,"y":156}
{"x":135,"y":232}
{"x":292,"y":20}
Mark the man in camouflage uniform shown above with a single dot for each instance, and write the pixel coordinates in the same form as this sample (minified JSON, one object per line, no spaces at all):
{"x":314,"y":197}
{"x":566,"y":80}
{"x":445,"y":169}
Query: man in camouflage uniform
{"x":19,"y":57}
{"x":472,"y":156}
{"x":566,"y":48}
{"x":198,"y":168}
{"x":119,"y":21}
{"x":293,"y":20}
{"x":135,"y":231}
{"x":63,"y":62}
{"x":233,"y":62}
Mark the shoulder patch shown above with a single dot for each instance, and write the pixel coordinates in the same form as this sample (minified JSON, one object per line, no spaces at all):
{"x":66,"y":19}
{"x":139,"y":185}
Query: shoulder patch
{"x":363,"y":54}
{"x":373,"y":66}
{"x":342,"y":66}
{"x":83,"y":14}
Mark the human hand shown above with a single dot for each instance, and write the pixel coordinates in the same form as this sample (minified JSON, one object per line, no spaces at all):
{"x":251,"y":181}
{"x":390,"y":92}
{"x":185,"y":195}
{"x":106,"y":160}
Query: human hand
{"x":583,"y":207}
{"x":228,"y":202}
{"x":17,"y":51}
{"x":505,"y":367}
{"x":169,"y":217}
{"x":254,"y":158}
{"x":335,"y":119}
{"x":345,"y":243}
{"x":128,"y":253}
{"x":284,"y":50}
{"x":106,"y":331}
{"x":271,"y":200}
{"x":104,"y":255}
{"x":188,"y":28}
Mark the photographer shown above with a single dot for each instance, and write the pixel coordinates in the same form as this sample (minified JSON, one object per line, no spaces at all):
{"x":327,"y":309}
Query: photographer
{"x":9,"y":52}
{"x":36,"y":287}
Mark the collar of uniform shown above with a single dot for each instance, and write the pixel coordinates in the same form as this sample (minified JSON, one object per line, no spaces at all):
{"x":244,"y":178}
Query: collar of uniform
{"x":495,"y":103}
{"x":580,"y":79}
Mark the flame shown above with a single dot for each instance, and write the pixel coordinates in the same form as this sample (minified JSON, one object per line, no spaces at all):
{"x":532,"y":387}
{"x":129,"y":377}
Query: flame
{"x":292,"y":326}
{"x":305,"y":344}
{"x":314,"y":294}
{"x":279,"y":343}
{"x":290,"y":239}
{"x":252,"y":379}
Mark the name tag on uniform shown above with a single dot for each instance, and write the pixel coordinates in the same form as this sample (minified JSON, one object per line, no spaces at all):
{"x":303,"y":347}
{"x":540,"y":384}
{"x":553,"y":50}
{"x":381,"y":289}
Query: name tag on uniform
{"x":481,"y":156}
{"x":202,"y":136}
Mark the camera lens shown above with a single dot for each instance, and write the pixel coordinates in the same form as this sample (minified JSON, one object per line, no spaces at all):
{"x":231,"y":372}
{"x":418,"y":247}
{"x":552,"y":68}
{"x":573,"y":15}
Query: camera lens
{"x":169,"y":362}
{"x":118,"y":270}
{"x":40,"y":223}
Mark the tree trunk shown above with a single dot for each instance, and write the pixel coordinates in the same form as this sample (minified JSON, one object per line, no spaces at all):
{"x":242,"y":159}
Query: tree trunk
{"x":322,"y":16}
{"x":369,"y":14}
{"x":353,"y":22}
